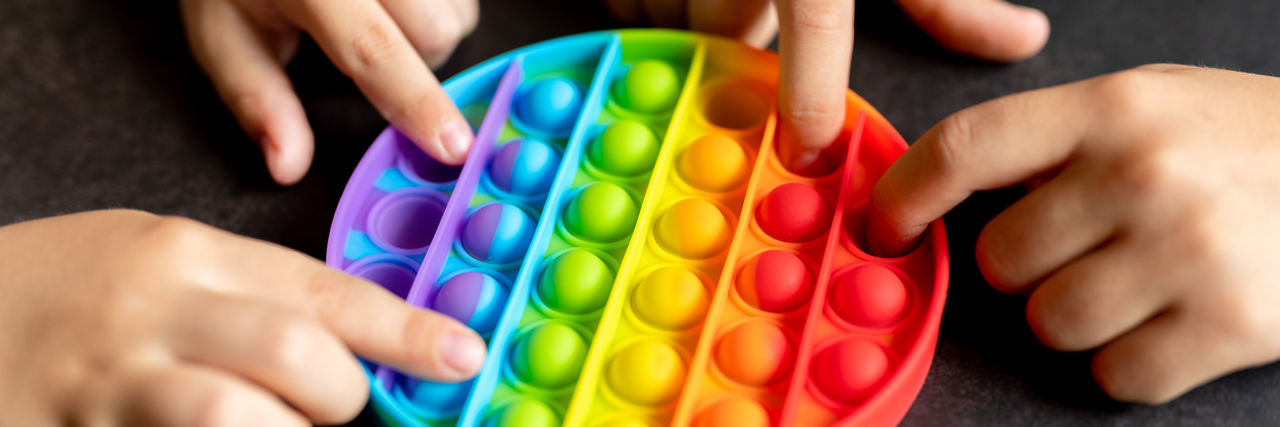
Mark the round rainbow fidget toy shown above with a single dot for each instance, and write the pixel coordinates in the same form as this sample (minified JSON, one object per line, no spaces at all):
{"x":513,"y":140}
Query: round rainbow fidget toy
{"x":625,"y":238}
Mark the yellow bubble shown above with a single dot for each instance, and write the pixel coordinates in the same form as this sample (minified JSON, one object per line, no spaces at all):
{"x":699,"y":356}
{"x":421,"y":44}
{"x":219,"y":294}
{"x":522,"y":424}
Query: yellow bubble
{"x":647,"y":372}
{"x":671,"y":298}
{"x":693,"y":228}
{"x":714,"y":163}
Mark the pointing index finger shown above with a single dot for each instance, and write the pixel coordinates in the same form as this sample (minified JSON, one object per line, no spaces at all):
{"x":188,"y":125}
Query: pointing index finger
{"x":992,"y":145}
{"x":816,"y":44}
{"x":365,"y":43}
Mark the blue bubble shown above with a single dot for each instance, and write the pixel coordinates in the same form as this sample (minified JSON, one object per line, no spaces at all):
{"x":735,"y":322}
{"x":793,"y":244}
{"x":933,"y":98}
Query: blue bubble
{"x":550,"y":105}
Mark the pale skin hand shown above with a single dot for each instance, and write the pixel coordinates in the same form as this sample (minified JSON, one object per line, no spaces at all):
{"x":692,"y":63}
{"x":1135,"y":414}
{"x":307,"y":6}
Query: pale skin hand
{"x":1150,"y":227}
{"x":386,"y":46}
{"x":123,"y":318}
{"x":816,"y":44}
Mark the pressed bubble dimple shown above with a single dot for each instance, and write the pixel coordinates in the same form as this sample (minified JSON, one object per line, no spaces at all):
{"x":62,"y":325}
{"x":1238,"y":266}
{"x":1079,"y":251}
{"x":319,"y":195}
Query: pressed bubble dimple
{"x":524,"y":167}
{"x":576,"y":282}
{"x":671,"y":298}
{"x":550,"y":104}
{"x":775,"y":281}
{"x":850,"y":370}
{"x":498,"y":233}
{"x":755,"y":353}
{"x":714,"y":163}
{"x":794,"y":212}
{"x":406,"y":220}
{"x":647,"y":372}
{"x":870,"y":296}
{"x":473,"y":298}
{"x":524,"y":413}
{"x":650,"y":87}
{"x":734,"y":412}
{"x":602,"y":212}
{"x":693,"y":228}
{"x":549,"y":356}
{"x":625,"y":148}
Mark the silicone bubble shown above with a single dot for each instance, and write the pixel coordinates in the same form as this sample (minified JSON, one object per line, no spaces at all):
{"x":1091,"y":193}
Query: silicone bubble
{"x":775,"y":281}
{"x":693,"y":228}
{"x":550,"y":104}
{"x":473,"y":298}
{"x":734,"y":412}
{"x":714,"y":163}
{"x":524,"y":413}
{"x":870,"y":296}
{"x":602,"y":212}
{"x":436,"y":397}
{"x":649,"y":87}
{"x":755,"y":353}
{"x":849,"y":370}
{"x":646,"y":372}
{"x":524,"y":167}
{"x":671,"y":298}
{"x":625,"y":148}
{"x":576,"y":282}
{"x":406,"y":220}
{"x":794,"y":212}
{"x":549,"y":356}
{"x":498,"y":233}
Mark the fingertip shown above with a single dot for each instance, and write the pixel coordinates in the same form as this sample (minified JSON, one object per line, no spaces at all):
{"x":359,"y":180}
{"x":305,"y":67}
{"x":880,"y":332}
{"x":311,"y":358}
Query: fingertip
{"x":464,"y":351}
{"x":288,"y":156}
{"x":994,"y":30}
{"x":456,"y":139}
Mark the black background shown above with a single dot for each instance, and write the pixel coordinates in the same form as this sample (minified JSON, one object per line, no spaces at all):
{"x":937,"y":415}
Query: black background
{"x":101,"y":106}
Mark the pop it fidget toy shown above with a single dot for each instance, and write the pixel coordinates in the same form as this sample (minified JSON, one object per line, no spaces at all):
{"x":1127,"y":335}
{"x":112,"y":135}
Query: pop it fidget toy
{"x":625,"y":238}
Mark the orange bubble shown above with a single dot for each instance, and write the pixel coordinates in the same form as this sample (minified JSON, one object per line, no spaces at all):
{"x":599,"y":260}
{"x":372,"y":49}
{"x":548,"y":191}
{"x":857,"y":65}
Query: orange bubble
{"x":694,"y":228}
{"x":871,"y":296}
{"x":734,"y":412}
{"x":850,"y":370}
{"x":755,"y":353}
{"x":714,"y":163}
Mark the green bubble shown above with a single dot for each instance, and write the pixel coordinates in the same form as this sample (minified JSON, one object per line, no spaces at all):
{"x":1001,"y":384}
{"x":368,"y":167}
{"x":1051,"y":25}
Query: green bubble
{"x":625,"y":148}
{"x":602,"y":212}
{"x":650,"y":87}
{"x":524,"y":413}
{"x":577,"y":282}
{"x":549,"y":356}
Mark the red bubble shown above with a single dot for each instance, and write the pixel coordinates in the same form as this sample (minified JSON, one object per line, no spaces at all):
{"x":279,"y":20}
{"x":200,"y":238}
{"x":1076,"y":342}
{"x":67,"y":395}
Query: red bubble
{"x":850,"y":370}
{"x":775,"y":281}
{"x":870,"y":296}
{"x":794,"y":212}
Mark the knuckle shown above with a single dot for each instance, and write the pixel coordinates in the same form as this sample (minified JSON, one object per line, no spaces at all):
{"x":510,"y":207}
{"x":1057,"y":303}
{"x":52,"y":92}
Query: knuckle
{"x":288,"y":342}
{"x":821,"y":18}
{"x":1121,"y":384}
{"x":175,"y":234}
{"x":1150,"y":171}
{"x":1127,"y":96}
{"x":952,"y":137}
{"x":370,"y":46}
{"x":221,"y":406}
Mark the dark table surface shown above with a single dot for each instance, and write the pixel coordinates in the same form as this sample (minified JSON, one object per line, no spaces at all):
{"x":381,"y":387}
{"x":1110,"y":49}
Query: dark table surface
{"x":101,"y":106}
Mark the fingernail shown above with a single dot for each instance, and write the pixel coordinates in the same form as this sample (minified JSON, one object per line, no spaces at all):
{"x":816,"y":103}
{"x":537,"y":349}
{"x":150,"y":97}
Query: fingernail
{"x":456,"y":138}
{"x":463,"y":351}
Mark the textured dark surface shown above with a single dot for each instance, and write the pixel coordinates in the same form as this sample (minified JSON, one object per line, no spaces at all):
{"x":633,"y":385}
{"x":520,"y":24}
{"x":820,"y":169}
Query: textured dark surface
{"x":101,"y":106}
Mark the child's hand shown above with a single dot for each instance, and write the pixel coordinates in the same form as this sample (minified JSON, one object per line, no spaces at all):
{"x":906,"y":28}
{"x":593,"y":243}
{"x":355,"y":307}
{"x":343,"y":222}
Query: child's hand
{"x":1150,"y":228}
{"x":122,"y":318}
{"x":816,"y":44}
{"x":384,"y":46}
